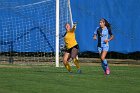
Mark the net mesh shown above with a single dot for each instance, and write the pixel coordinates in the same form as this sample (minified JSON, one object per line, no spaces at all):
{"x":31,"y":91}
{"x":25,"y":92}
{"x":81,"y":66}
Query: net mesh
{"x":27,"y":32}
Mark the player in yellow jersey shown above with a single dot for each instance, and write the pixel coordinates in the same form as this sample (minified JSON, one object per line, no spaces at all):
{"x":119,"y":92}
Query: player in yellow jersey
{"x":71,"y":48}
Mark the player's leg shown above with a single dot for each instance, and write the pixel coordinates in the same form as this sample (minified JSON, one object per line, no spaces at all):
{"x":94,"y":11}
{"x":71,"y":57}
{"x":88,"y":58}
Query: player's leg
{"x":100,"y":50}
{"x":74,"y":54}
{"x":104,"y":61}
{"x":65,"y":61}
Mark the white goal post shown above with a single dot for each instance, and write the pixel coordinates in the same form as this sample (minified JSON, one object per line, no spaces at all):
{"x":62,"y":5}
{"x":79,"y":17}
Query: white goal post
{"x":57,"y":34}
{"x":69,"y":15}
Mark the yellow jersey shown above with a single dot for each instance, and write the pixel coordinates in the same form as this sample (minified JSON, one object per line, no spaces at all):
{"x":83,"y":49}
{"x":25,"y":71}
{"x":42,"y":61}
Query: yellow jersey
{"x":69,"y":38}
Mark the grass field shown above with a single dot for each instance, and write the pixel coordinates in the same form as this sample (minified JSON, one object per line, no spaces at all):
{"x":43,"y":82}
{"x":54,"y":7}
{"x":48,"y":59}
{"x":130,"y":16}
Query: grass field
{"x":44,"y":79}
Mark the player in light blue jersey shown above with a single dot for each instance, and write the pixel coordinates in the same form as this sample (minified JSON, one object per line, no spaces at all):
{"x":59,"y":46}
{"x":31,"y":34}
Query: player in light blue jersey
{"x":102,"y":33}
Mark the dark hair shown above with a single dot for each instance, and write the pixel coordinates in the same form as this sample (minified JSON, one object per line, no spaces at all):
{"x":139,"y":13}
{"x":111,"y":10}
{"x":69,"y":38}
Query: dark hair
{"x":107,"y":24}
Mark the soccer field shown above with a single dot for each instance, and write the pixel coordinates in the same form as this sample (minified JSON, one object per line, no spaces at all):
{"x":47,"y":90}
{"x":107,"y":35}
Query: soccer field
{"x":44,"y":79}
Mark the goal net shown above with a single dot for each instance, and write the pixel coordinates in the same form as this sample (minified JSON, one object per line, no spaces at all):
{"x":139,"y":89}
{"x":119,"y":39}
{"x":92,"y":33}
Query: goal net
{"x":28,"y":31}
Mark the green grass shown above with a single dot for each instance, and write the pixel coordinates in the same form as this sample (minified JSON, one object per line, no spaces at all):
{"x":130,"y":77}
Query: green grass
{"x":43,"y":79}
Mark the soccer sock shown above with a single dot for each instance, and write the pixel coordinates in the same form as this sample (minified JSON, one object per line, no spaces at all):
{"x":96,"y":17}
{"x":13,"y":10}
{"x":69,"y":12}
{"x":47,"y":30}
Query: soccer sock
{"x":103,"y":66}
{"x":68,"y":67}
{"x":105,"y":63}
{"x":76,"y":62}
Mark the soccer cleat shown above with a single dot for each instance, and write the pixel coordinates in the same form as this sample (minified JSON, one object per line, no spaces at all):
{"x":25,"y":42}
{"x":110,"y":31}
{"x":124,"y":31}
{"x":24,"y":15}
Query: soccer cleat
{"x":79,"y":71}
{"x":107,"y":71}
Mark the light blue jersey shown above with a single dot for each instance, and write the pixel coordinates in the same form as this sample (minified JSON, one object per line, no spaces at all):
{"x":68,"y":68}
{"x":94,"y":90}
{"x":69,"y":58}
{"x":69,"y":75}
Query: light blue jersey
{"x":103,"y":35}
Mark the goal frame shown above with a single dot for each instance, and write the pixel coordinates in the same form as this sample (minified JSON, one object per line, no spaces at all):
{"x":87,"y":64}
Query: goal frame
{"x":57,"y":29}
{"x":57,"y":34}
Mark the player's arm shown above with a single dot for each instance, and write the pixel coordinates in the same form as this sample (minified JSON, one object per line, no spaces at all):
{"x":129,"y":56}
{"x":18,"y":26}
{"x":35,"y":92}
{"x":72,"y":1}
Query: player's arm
{"x":95,"y":34}
{"x":111,"y":38}
{"x":74,"y":27}
{"x":111,"y":35}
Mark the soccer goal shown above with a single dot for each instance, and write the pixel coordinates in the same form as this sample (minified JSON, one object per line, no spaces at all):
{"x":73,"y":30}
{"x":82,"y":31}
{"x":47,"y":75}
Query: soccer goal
{"x":32,"y":32}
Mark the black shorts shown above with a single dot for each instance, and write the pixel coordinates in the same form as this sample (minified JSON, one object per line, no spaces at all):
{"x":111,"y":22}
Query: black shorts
{"x":69,"y":50}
